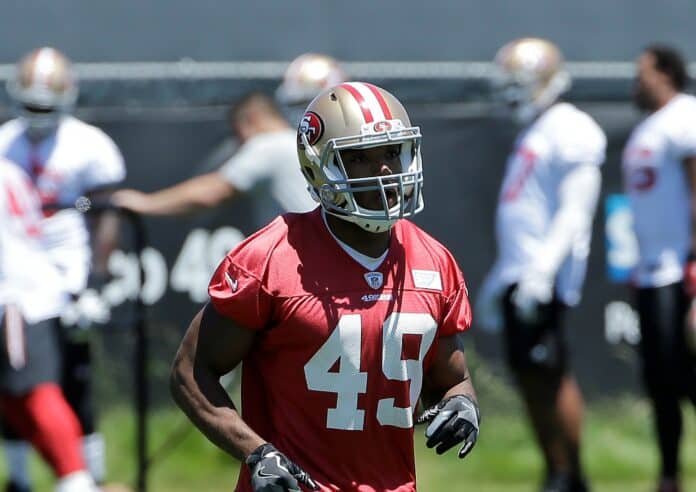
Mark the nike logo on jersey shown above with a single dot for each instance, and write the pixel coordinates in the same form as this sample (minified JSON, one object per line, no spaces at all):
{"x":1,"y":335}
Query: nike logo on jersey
{"x":427,"y":279}
{"x":231,"y":282}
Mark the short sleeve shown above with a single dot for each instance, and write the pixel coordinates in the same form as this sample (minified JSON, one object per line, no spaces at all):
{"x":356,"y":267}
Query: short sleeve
{"x":250,"y":165}
{"x":239,"y":295}
{"x":582,"y":141}
{"x":105,"y":167}
{"x":457,"y":311}
{"x":685,"y":136}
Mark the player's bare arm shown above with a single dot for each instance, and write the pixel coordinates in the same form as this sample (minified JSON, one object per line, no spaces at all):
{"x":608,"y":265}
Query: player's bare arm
{"x":104,"y":227}
{"x":455,"y":419}
{"x":211,"y":347}
{"x":448,"y":375}
{"x":204,"y":191}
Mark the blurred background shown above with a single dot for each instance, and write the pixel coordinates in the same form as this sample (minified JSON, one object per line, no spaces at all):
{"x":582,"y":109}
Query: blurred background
{"x":158,"y":76}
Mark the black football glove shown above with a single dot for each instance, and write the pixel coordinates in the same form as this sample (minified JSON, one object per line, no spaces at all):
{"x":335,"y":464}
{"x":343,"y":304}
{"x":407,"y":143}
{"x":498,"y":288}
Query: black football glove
{"x":452,"y":421}
{"x":272,"y":471}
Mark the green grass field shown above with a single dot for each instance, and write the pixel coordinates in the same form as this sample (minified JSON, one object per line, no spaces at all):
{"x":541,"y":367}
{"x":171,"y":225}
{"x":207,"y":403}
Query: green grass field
{"x":618,"y":452}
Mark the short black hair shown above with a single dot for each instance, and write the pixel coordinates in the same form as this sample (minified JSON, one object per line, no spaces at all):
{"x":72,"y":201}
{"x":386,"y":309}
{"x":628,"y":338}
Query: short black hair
{"x":670,"y":61}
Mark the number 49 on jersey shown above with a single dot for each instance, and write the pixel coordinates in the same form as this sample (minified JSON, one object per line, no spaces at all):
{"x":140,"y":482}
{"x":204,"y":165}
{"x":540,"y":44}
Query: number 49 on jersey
{"x":344,"y":345}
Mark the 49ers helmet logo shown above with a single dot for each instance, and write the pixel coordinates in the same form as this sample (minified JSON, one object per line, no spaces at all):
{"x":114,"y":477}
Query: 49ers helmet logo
{"x":382,"y":126}
{"x":312,"y":126}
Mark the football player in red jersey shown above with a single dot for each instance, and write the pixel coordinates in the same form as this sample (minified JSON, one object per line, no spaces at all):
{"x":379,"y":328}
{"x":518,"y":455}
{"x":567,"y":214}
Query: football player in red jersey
{"x":340,"y":317}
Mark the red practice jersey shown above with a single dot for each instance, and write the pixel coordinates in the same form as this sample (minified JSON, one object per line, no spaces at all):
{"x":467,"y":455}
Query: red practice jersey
{"x":335,"y":374}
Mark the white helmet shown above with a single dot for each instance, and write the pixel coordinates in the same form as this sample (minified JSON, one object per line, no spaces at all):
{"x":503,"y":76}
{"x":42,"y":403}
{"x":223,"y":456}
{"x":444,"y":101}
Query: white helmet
{"x":306,"y":76}
{"x":357,"y":115}
{"x":529,"y":76}
{"x":43,"y":88}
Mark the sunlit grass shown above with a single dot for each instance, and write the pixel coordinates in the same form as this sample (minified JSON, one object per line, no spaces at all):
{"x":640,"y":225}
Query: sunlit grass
{"x":619,"y":450}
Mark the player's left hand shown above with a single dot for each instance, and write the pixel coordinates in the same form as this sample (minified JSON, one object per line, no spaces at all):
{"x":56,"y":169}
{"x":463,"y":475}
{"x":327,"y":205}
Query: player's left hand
{"x":533,"y":290}
{"x":452,"y":421}
{"x":272,"y":471}
{"x":87,"y":309}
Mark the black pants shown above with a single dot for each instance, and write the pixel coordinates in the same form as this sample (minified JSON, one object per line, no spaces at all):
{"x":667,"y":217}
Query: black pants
{"x":64,"y":361}
{"x":668,"y":369}
{"x":30,"y":355}
{"x":537,"y":345}
{"x":76,"y":379}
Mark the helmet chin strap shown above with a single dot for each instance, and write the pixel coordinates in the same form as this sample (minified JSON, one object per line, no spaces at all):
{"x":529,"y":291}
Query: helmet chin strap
{"x":374,"y":226}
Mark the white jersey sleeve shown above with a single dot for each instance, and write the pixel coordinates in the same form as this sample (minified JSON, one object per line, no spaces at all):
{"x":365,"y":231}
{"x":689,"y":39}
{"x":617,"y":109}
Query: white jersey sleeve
{"x":684,"y":134}
{"x":268,"y":164}
{"x":252,"y":163}
{"x":578,"y":139}
{"x":105,"y":167}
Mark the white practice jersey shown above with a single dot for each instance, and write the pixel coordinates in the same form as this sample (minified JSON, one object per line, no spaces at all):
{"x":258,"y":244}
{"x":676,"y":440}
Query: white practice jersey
{"x":28,"y":277}
{"x":658,"y":191}
{"x":561,"y":139}
{"x":77,"y":159}
{"x":267,"y":166}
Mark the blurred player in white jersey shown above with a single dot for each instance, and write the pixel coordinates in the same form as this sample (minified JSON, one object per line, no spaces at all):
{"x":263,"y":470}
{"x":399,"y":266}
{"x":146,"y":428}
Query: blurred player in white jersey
{"x":659,"y":169}
{"x":65,"y":158}
{"x":32,"y":297}
{"x":543,"y":226}
{"x":265,"y":163}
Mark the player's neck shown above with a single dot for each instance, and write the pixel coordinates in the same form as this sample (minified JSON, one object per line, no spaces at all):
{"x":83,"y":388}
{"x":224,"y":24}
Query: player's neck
{"x":368,"y":243}
{"x":665,"y":97}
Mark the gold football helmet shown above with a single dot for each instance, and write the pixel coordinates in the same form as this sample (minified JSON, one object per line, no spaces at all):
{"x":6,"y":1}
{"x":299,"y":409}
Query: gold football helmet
{"x":357,"y":115}
{"x":43,"y":88}
{"x":529,"y":76}
{"x":306,"y":76}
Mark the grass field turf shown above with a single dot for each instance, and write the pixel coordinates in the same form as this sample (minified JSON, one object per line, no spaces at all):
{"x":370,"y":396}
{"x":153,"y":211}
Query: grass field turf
{"x":619,"y":454}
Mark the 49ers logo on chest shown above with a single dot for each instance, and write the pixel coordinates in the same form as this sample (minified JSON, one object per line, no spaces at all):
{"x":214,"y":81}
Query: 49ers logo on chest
{"x":312,"y":127}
